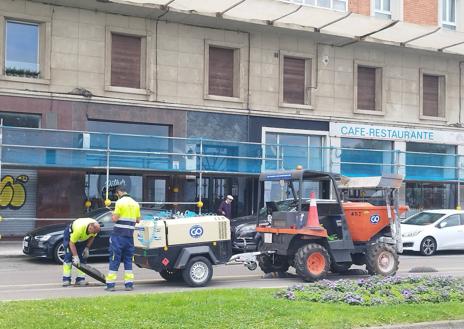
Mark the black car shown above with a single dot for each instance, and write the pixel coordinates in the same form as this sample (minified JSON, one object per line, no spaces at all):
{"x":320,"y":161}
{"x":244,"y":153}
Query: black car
{"x":244,"y":235}
{"x":47,"y":241}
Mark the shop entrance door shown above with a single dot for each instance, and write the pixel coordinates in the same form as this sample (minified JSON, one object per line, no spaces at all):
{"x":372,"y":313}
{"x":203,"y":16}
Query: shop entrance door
{"x":156,"y":190}
{"x":425,"y":195}
{"x":213,"y":191}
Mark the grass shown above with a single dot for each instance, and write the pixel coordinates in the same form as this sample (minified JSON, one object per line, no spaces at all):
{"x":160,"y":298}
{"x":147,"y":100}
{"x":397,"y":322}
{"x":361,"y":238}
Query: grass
{"x":228,"y":308}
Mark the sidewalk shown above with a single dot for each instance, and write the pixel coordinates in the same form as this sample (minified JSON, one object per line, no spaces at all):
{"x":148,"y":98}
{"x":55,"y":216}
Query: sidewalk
{"x":456,"y":324}
{"x":11,"y":249}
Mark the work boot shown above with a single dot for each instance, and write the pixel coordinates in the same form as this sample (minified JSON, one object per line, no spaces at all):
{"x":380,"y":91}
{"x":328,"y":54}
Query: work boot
{"x":66,"y":283}
{"x":80,"y":283}
{"x":129,"y":288}
{"x":110,"y":288}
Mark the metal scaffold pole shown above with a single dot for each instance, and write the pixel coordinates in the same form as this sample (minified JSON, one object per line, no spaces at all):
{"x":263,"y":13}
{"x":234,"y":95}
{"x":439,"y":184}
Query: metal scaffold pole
{"x":200,"y":190}
{"x":107,"y":170}
{"x":1,"y":147}
{"x":458,"y":206}
{"x":1,"y":156}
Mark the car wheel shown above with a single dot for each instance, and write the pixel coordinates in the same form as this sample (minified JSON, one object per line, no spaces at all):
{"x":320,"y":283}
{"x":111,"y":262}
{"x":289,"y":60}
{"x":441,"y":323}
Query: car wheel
{"x":58,"y":252}
{"x":428,"y":246}
{"x":312,"y":262}
{"x":171,"y":275}
{"x":381,"y":259}
{"x":197,"y":272}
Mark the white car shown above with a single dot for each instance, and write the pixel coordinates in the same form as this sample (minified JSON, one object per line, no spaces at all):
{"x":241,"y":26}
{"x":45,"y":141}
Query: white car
{"x":432,"y":230}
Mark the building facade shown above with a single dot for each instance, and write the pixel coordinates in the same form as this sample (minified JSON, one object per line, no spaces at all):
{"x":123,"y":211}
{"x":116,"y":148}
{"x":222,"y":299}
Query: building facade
{"x":355,"y":87}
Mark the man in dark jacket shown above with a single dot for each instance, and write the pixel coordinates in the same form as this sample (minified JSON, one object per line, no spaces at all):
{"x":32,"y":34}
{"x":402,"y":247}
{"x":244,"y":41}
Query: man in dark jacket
{"x":225,"y":208}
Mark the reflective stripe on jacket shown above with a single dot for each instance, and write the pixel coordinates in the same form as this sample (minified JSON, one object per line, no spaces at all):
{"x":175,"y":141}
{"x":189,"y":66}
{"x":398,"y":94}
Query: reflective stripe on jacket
{"x":128,"y":211}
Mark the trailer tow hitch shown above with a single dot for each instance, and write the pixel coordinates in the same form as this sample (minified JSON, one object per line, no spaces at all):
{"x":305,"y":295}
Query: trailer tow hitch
{"x":248,"y":259}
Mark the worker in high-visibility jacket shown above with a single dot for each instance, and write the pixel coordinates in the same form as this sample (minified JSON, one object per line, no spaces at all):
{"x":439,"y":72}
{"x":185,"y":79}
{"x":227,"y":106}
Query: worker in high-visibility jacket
{"x":125,"y":215}
{"x":77,"y":240}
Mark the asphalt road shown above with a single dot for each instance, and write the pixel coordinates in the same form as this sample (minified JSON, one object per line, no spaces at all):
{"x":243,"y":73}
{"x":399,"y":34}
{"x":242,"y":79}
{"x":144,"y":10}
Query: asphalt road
{"x":26,"y":278}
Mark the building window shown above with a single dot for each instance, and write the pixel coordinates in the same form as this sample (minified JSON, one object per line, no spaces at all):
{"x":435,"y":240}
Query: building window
{"x":382,"y":8}
{"x":22,"y":49}
{"x":448,"y":14}
{"x":96,"y":187}
{"x":126,"y":61}
{"x":433,"y":95}
{"x":340,"y":5}
{"x":292,"y":150}
{"x":369,"y":88}
{"x":296,"y":80}
{"x":223,"y":74}
{"x":20,"y":120}
{"x":427,"y":195}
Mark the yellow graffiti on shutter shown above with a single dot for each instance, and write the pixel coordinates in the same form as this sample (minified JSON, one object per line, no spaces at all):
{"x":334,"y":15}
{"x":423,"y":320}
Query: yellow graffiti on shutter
{"x":13,"y":192}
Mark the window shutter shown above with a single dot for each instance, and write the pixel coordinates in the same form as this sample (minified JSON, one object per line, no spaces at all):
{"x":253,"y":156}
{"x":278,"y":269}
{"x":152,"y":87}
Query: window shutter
{"x":366,"y":88}
{"x":430,"y":95}
{"x":125,"y":61}
{"x":221,"y":72}
{"x":294,"y":80}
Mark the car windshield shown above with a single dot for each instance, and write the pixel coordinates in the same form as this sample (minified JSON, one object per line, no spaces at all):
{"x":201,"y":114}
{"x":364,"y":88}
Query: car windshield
{"x":286,"y":205}
{"x":423,"y":218}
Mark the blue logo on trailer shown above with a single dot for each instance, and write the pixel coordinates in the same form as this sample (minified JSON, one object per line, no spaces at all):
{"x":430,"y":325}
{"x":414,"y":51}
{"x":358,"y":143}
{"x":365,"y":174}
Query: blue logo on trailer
{"x":196,"y":231}
{"x":375,"y":219}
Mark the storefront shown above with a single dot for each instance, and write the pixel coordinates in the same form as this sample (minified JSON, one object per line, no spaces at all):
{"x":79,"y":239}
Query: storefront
{"x":427,"y":158}
{"x":18,"y":200}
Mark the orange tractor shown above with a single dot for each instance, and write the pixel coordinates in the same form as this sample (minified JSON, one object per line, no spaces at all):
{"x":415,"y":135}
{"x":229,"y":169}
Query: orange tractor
{"x":327,"y":234}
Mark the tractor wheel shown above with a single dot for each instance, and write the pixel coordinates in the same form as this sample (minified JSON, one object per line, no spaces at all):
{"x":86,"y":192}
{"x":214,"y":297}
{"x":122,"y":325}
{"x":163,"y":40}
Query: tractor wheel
{"x":312,"y":262}
{"x":340,"y":267}
{"x":273,"y":263}
{"x":381,"y":259}
{"x":171,"y":275}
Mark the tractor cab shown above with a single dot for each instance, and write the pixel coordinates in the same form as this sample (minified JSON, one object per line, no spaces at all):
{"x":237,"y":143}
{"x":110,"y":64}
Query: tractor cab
{"x":321,"y":232}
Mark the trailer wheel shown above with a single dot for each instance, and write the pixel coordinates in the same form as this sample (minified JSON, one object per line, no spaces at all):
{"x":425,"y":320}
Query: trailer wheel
{"x":197,"y":272}
{"x":171,"y":275}
{"x":273,"y":263}
{"x":312,"y":262}
{"x":340,"y":267}
{"x":382,"y":259}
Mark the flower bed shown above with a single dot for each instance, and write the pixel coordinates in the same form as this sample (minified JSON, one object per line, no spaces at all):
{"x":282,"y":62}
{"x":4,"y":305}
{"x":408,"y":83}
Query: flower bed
{"x":378,"y":290}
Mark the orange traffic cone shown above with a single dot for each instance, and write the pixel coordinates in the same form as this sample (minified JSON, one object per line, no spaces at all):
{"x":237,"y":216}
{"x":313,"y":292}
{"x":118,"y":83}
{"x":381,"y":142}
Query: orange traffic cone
{"x":313,"y":217}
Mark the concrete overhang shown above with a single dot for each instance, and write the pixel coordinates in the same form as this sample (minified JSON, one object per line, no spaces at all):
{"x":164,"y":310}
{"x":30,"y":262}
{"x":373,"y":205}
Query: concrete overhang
{"x":330,"y":26}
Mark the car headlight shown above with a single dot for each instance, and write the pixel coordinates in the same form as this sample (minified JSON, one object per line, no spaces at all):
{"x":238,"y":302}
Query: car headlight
{"x":43,"y":238}
{"x":246,"y":231}
{"x":411,"y":234}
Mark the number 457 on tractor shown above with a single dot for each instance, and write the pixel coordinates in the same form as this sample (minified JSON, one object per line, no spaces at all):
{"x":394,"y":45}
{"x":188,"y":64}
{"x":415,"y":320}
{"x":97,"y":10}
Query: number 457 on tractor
{"x":339,"y":234}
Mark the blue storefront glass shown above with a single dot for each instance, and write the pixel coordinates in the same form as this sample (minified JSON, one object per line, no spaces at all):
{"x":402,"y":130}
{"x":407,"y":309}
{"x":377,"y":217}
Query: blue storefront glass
{"x":32,"y":147}
{"x":292,"y":150}
{"x":426,"y":161}
{"x":365,"y":157}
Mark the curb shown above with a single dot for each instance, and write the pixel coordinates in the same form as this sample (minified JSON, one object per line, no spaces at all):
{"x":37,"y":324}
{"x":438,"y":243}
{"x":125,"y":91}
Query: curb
{"x":11,"y":256}
{"x":11,"y":249}
{"x":451,"y":324}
